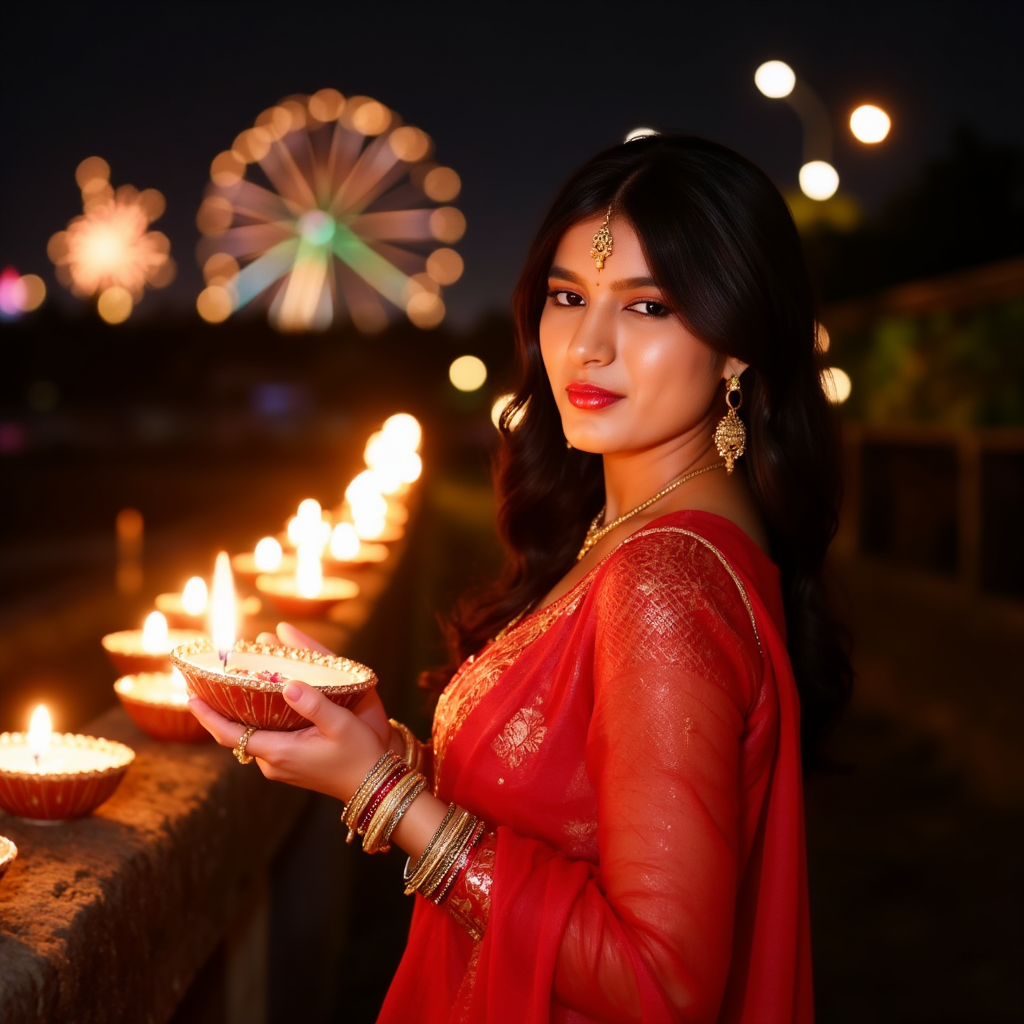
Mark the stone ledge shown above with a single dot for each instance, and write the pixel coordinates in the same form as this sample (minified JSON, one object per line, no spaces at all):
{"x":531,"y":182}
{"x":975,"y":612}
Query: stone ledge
{"x":108,"y":918}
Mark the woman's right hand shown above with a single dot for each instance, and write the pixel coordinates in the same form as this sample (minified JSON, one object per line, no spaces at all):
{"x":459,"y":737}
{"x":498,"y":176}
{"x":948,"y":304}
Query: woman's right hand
{"x":369,"y":710}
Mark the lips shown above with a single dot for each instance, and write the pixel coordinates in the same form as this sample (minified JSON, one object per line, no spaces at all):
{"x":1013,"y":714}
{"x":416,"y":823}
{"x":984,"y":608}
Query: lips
{"x":590,"y":396}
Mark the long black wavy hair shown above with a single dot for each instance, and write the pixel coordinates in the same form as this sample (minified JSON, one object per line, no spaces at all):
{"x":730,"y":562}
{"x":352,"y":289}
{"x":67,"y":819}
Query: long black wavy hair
{"x":722,"y":247}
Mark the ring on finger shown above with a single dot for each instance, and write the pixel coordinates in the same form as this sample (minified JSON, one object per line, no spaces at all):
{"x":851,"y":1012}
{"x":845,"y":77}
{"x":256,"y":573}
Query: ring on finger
{"x":239,"y":749}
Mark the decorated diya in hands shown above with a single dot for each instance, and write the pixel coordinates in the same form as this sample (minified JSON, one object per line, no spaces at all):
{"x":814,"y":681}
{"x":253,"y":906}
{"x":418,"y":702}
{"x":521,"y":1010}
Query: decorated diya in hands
{"x":8,"y":853}
{"x":157,"y":702}
{"x":50,"y":777}
{"x":147,"y":649}
{"x":247,"y":686}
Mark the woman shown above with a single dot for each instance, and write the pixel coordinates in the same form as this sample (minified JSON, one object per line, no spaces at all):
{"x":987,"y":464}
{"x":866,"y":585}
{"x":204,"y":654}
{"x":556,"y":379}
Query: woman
{"x":627,"y":747}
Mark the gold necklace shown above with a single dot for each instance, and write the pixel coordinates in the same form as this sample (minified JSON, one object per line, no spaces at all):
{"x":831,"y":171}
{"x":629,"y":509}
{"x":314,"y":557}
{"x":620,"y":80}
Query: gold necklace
{"x":595,"y":532}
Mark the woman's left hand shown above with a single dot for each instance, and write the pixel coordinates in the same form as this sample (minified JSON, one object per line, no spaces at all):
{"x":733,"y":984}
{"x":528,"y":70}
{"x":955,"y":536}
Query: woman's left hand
{"x":332,"y":755}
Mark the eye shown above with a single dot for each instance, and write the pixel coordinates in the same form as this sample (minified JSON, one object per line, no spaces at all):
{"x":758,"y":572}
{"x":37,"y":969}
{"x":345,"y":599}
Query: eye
{"x":648,"y":307}
{"x":564,"y":297}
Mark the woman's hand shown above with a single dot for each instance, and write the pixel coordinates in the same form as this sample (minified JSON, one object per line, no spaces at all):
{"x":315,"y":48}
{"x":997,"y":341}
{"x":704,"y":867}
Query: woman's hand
{"x":332,"y":755}
{"x":369,"y":710}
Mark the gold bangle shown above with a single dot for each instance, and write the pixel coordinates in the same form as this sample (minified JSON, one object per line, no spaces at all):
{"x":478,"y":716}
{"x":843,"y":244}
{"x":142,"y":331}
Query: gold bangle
{"x":402,"y":808}
{"x":460,"y":862}
{"x":428,"y":875}
{"x":361,"y":798}
{"x":411,"y":872}
{"x":374,"y":839}
{"x":448,"y":856}
{"x":413,"y":752}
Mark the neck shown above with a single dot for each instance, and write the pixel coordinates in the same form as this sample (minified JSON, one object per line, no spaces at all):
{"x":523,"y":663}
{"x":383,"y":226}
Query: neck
{"x":632,"y":477}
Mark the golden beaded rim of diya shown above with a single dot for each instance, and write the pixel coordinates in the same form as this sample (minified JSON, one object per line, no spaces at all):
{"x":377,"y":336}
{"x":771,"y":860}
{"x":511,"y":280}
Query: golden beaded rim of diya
{"x":363,"y":676}
{"x":120,"y":754}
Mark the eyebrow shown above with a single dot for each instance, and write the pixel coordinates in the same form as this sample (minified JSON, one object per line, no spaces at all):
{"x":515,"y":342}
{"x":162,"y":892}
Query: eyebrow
{"x":616,"y":286}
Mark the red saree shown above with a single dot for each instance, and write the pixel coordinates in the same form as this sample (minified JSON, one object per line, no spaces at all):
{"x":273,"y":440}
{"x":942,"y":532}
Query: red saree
{"x":636,"y":746}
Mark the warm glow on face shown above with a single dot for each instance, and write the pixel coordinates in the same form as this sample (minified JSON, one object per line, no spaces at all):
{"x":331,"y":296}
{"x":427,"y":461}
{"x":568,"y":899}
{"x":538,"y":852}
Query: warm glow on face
{"x":775,"y":79}
{"x":194,"y":596}
{"x":309,"y":576}
{"x":268,"y":555}
{"x":870,"y":124}
{"x":467,"y":373}
{"x":836,"y":384}
{"x":818,"y":180}
{"x":344,"y":542}
{"x":40,"y":732}
{"x":223,"y":610}
{"x":154,"y":634}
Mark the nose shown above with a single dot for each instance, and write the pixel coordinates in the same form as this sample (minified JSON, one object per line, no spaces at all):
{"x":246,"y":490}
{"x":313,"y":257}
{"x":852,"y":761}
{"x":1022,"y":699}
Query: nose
{"x":593,"y":342}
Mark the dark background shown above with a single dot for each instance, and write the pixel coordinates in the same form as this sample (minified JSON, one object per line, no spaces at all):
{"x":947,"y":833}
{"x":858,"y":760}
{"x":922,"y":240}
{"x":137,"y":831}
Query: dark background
{"x":916,"y":837}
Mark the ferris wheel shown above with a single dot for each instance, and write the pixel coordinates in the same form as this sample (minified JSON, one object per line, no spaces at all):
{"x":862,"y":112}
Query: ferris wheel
{"x":330,"y":208}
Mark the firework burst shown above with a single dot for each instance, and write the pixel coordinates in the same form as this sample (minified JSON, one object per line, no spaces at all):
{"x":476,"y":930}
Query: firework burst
{"x":109,"y":250}
{"x":349,"y":216}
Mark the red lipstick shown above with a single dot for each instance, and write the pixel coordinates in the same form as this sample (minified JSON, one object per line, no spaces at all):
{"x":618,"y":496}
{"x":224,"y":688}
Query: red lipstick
{"x":590,"y":396}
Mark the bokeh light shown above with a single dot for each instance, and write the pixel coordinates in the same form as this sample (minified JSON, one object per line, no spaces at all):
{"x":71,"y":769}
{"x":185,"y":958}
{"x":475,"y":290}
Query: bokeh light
{"x":775,"y":78}
{"x":870,"y":124}
{"x":268,"y":554}
{"x":821,"y":338}
{"x":468,"y":373}
{"x":19,"y":294}
{"x":115,"y":304}
{"x":836,"y":384}
{"x":501,"y":403}
{"x":405,"y":429}
{"x":819,"y":180}
{"x":323,"y":208}
{"x":109,"y":250}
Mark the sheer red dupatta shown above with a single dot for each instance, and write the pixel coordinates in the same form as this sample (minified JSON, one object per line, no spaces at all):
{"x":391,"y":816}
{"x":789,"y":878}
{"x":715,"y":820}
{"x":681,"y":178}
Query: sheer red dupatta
{"x":641,"y":753}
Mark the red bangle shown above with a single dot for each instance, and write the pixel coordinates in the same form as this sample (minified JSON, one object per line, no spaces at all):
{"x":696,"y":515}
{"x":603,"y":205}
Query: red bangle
{"x":398,"y":773}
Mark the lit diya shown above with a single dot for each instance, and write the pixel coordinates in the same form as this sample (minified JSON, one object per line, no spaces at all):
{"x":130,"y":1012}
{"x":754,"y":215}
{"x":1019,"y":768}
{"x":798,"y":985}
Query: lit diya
{"x":308,"y":593}
{"x":157,"y":702}
{"x":147,"y":649}
{"x":346,"y":548}
{"x":246,"y":682}
{"x":267,"y":557}
{"x":50,"y":777}
{"x":188,"y":609}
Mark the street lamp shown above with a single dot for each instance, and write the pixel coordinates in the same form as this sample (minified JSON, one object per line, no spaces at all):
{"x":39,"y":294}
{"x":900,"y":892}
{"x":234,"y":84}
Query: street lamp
{"x":870,"y":124}
{"x":819,"y":180}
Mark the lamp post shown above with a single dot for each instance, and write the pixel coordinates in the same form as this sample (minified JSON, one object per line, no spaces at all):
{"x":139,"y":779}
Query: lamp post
{"x":819,"y":180}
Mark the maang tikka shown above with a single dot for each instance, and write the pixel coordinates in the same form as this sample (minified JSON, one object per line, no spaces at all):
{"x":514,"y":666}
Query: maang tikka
{"x":731,"y":434}
{"x":602,"y":247}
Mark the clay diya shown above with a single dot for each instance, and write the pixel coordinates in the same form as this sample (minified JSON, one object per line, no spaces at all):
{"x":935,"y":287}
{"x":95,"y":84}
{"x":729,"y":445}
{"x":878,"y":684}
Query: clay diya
{"x":174,"y":608}
{"x":50,"y":777}
{"x":249,"y":688}
{"x":346,"y":548}
{"x":290,"y":598}
{"x":147,"y":649}
{"x":157,"y":702}
{"x":8,"y":854}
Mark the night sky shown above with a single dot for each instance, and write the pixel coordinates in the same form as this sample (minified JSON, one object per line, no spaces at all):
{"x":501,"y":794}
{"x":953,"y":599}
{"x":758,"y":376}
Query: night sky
{"x":514,"y":96}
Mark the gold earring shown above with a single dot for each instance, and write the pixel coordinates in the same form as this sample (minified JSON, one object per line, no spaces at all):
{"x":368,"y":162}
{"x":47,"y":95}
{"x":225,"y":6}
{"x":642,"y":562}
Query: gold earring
{"x":568,"y":443}
{"x":731,"y":434}
{"x":602,"y":248}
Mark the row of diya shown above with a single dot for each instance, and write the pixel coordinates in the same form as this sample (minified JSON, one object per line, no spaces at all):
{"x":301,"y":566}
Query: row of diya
{"x":48,"y":778}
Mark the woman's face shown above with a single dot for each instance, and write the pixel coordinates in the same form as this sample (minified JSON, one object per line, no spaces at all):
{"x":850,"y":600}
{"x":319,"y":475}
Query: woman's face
{"x":625,"y":372}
